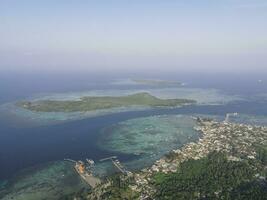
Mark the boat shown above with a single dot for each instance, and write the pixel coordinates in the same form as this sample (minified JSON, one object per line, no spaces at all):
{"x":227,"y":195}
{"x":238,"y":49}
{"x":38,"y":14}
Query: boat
{"x":85,"y":174}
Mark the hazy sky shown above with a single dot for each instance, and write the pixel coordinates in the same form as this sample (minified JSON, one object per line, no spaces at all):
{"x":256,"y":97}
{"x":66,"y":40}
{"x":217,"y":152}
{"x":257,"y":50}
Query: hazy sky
{"x":218,"y":35}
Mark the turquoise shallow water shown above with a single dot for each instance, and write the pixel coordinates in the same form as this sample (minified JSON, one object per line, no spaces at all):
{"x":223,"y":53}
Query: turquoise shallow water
{"x":149,"y":138}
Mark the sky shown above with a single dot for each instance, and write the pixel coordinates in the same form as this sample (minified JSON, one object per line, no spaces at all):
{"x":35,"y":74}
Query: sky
{"x":110,"y":35}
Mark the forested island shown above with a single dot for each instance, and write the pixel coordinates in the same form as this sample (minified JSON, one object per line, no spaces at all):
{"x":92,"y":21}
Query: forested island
{"x":92,"y":103}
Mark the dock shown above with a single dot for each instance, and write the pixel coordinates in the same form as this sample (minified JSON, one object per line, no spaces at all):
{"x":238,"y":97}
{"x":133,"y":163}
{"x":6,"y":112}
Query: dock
{"x":108,"y":158}
{"x":228,"y":115}
{"x":116,"y":163}
{"x":70,"y":160}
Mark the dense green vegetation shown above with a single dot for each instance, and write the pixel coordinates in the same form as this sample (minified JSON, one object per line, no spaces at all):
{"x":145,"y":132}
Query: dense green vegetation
{"x":117,"y":193}
{"x":106,"y":102}
{"x":119,"y":189}
{"x":79,"y":195}
{"x":262,"y":154}
{"x":212,"y":177}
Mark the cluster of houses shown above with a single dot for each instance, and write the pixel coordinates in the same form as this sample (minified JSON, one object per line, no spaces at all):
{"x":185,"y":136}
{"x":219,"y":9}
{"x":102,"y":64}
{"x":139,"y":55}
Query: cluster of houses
{"x":235,"y":140}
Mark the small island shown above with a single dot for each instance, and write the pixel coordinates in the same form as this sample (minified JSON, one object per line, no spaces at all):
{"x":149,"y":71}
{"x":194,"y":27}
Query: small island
{"x":92,"y":103}
{"x":156,"y":82}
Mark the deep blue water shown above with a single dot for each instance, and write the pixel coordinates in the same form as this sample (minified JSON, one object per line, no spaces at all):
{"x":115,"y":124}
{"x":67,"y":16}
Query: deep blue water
{"x":22,"y":147}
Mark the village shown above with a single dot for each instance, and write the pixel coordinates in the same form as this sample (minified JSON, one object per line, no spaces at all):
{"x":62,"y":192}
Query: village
{"x":237,"y":141}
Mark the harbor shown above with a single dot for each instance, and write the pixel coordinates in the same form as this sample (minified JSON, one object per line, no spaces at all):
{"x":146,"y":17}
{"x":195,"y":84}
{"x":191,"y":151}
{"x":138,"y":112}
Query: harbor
{"x":84,"y":169}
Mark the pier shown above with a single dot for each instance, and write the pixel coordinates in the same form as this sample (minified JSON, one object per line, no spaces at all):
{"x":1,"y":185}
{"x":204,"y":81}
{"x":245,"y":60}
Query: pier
{"x":70,"y":160}
{"x":228,"y":115}
{"x":116,"y":163}
{"x":108,"y":158}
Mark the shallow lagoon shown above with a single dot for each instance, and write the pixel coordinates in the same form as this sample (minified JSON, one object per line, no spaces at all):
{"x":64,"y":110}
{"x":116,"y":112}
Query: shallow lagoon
{"x":148,"y":137}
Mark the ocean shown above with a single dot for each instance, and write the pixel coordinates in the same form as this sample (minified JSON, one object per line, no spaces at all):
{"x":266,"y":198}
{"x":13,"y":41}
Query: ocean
{"x":24,"y":147}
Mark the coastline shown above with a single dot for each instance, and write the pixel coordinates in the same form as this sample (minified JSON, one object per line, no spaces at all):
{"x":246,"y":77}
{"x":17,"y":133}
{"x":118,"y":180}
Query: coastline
{"x":236,"y":141}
